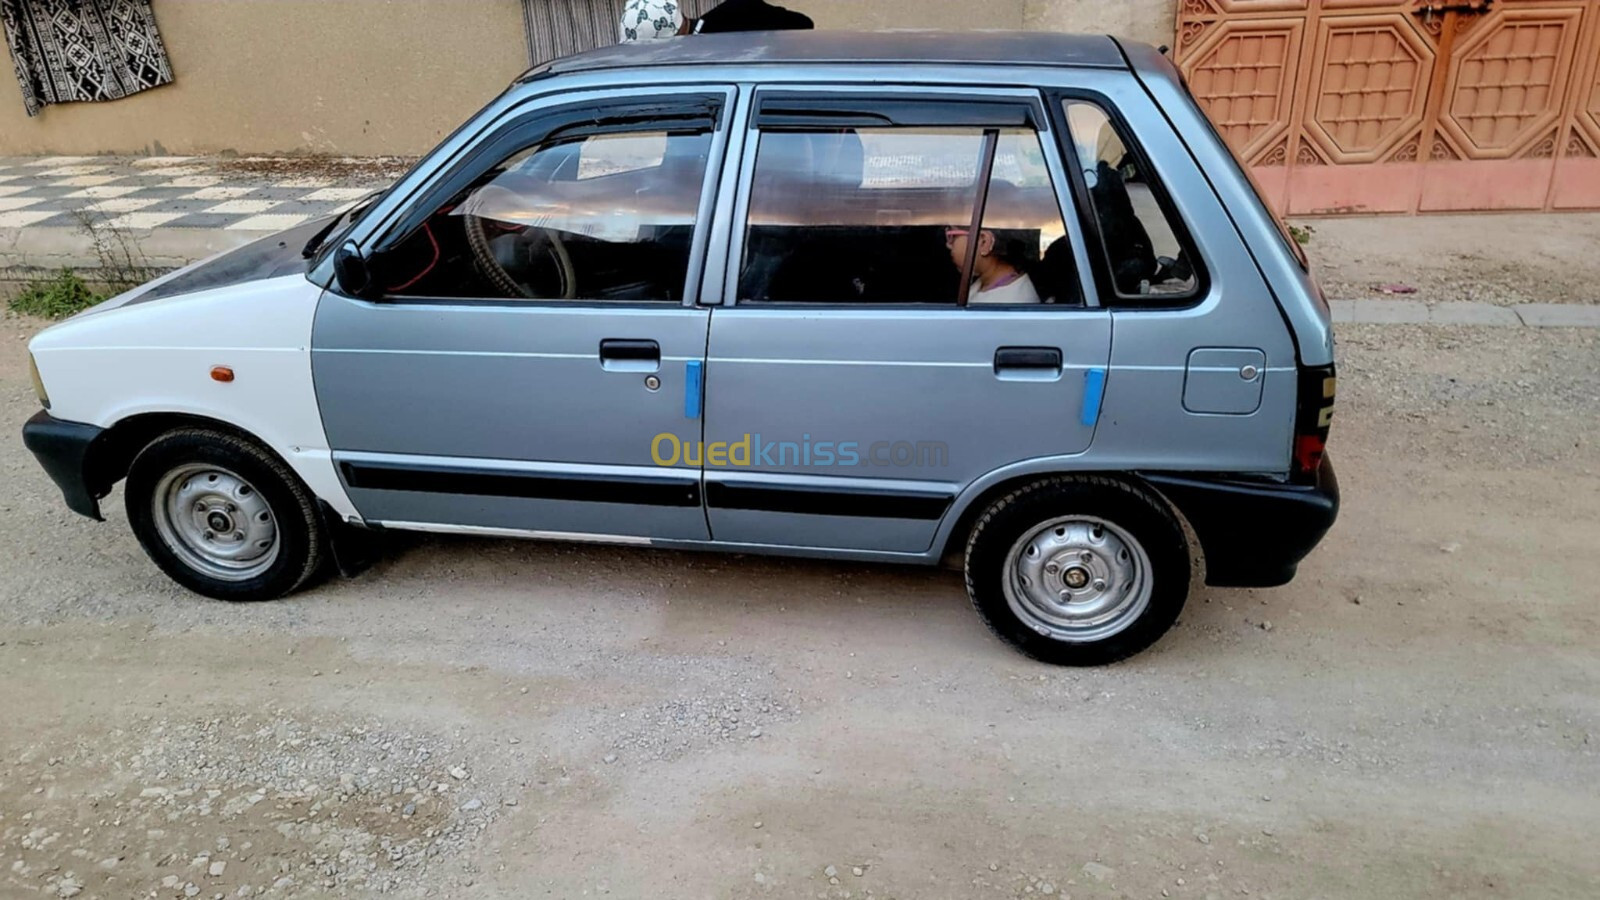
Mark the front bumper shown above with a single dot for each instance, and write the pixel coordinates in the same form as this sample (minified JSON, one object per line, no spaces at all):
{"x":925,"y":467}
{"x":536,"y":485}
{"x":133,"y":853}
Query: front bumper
{"x":63,"y":449}
{"x":1254,"y":534}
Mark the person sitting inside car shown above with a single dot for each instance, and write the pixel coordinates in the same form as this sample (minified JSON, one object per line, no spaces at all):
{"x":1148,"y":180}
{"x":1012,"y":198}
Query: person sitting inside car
{"x":999,"y":271}
{"x":653,"y":20}
{"x":751,"y":15}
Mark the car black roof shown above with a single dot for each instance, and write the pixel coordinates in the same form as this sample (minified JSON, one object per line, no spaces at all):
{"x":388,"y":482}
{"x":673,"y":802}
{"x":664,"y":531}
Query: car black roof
{"x":1028,"y":48}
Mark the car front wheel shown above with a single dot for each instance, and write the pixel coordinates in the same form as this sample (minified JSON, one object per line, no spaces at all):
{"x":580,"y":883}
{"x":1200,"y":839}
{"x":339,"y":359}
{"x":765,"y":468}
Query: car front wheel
{"x":1078,"y":571}
{"x":223,"y":517}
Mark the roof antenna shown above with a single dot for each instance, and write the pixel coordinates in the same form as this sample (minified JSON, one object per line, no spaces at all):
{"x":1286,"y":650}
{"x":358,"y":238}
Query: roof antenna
{"x":1163,"y":49}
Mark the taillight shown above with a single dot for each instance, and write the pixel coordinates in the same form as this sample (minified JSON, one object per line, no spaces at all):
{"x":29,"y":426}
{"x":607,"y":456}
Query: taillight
{"x":1308,"y":452}
{"x":1318,"y":387}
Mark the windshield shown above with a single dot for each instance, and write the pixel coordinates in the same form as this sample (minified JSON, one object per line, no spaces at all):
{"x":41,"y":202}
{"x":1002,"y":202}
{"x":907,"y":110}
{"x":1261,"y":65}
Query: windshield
{"x":347,"y":221}
{"x":362,"y":208}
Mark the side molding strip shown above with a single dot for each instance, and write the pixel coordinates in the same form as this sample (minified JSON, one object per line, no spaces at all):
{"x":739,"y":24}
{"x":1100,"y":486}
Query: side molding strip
{"x":661,"y":491}
{"x":920,"y":505}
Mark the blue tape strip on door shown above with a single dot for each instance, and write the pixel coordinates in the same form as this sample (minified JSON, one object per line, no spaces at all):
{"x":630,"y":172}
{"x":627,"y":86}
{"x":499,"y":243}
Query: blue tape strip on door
{"x":692,"y":388}
{"x":1094,"y":391}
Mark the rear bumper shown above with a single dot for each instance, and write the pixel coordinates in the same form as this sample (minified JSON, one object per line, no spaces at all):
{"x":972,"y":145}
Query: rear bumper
{"x":63,"y":449}
{"x":1254,"y":534}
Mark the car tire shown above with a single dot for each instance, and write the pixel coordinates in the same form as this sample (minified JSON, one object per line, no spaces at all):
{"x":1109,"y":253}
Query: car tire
{"x":223,"y":517}
{"x":1078,"y":570}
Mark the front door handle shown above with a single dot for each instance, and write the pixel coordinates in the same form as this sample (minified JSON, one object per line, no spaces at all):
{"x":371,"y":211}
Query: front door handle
{"x":1028,"y":363}
{"x":617,"y":355}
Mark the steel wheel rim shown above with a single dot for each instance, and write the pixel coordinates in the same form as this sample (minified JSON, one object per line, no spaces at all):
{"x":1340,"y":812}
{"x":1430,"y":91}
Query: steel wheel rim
{"x":216,"y":522}
{"x":1078,"y":579}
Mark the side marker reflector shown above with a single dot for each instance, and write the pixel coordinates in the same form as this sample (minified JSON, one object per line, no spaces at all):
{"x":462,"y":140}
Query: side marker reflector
{"x":223,"y":374}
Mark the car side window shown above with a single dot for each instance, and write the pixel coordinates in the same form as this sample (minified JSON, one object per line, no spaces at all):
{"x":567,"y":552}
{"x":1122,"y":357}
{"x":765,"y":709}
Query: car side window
{"x":1144,"y":246}
{"x":876,"y":215}
{"x":602,"y":217}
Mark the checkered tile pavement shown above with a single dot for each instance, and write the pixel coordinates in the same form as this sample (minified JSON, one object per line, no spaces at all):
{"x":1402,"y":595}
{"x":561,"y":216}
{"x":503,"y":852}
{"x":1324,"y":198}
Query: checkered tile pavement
{"x":167,"y":192}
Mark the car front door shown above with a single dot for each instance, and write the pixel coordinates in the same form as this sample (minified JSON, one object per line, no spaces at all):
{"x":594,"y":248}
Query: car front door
{"x":535,"y":328}
{"x":857,"y":379}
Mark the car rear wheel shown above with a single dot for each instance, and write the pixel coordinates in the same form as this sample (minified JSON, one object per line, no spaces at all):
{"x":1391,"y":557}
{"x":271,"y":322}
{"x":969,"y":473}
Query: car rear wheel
{"x":1078,"y":571}
{"x":223,"y":517}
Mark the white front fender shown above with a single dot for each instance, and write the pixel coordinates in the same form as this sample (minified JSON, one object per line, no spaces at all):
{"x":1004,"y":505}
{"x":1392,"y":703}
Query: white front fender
{"x":158,"y":357}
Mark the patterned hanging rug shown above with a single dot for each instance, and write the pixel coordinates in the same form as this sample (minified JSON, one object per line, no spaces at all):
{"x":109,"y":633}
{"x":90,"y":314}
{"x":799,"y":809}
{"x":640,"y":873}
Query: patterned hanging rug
{"x":75,"y":50}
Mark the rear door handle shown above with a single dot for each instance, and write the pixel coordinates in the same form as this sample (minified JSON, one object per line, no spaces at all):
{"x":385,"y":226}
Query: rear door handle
{"x":619,"y":355}
{"x":1028,"y":363}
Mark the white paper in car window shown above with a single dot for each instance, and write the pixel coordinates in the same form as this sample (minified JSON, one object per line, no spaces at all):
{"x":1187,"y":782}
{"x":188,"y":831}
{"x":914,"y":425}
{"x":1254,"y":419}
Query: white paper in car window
{"x":614,"y":154}
{"x":915,"y":158}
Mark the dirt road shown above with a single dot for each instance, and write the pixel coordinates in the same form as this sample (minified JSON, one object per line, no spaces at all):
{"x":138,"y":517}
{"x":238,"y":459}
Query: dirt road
{"x":1500,"y":259}
{"x":1417,"y":716}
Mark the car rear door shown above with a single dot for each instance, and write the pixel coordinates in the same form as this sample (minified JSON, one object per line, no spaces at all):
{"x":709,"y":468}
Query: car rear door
{"x":538,"y":328}
{"x":853,"y":388}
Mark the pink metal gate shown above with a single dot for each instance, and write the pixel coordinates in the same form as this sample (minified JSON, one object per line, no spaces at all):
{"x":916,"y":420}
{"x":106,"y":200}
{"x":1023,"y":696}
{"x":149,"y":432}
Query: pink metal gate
{"x":1403,"y":106}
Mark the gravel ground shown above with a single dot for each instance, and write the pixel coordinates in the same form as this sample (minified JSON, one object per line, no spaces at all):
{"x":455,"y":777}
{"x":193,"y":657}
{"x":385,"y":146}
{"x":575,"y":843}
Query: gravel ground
{"x":1499,"y":259}
{"x":1416,"y":716}
{"x":360,"y":169}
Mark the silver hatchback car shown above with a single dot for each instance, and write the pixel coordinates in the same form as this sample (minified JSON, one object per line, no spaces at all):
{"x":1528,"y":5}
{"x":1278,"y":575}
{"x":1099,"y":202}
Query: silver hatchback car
{"x":1002,"y":299}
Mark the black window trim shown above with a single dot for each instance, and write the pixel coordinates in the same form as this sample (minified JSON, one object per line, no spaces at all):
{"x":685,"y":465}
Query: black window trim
{"x":980,"y":209}
{"x":851,"y":107}
{"x":802,"y":109}
{"x":1099,"y":254}
{"x":699,"y":109}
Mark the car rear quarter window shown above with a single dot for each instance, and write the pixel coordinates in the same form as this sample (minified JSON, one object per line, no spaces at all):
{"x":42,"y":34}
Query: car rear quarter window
{"x":1143,"y":241}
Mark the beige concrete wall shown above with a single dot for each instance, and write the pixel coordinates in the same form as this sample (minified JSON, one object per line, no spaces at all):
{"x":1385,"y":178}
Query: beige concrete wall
{"x":357,"y":77}
{"x":379,"y":77}
{"x":1151,"y":21}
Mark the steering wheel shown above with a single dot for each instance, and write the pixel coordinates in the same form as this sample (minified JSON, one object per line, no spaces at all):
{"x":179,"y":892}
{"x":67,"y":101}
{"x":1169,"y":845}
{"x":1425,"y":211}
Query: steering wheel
{"x":531,"y":249}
